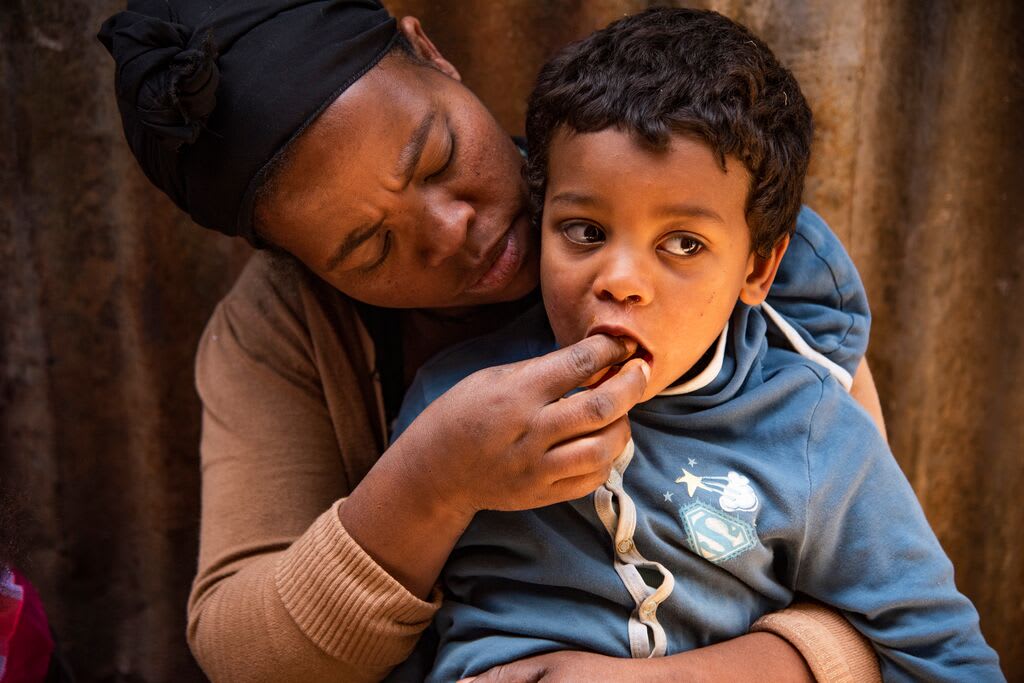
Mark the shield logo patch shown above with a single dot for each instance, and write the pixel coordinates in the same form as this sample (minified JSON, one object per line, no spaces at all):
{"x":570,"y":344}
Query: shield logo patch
{"x":715,"y":535}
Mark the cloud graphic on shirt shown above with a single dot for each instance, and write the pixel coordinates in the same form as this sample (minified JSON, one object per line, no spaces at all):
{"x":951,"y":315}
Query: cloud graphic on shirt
{"x":737,"y":494}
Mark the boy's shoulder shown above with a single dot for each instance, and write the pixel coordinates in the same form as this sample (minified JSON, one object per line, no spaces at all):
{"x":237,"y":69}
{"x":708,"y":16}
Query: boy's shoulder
{"x":527,"y":336}
{"x":813,"y":394}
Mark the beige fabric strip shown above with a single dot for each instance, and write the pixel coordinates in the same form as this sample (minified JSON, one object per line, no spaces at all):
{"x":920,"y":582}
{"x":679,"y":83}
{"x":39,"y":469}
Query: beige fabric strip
{"x":646,"y":634}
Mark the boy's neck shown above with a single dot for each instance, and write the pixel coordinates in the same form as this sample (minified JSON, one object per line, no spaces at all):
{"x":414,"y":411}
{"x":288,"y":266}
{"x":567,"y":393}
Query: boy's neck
{"x":699,"y":366}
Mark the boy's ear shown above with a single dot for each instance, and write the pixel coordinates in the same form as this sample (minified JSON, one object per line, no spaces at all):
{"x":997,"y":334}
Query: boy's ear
{"x":761,"y":272}
{"x":425,"y":48}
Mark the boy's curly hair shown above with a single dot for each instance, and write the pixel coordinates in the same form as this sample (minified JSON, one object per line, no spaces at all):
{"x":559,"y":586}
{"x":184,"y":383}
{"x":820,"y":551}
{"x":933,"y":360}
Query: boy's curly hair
{"x":688,"y":72}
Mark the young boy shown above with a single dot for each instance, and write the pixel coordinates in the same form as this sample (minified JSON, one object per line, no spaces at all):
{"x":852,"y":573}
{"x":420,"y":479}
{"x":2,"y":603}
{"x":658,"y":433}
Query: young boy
{"x":667,"y":159}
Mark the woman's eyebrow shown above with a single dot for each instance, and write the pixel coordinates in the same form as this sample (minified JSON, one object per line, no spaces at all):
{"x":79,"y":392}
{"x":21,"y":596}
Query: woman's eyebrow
{"x":351,"y":243}
{"x":410,"y":155}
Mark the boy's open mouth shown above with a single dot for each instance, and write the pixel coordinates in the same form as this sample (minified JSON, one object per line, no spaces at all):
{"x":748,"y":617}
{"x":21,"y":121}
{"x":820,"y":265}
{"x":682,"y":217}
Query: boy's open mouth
{"x":640,"y":352}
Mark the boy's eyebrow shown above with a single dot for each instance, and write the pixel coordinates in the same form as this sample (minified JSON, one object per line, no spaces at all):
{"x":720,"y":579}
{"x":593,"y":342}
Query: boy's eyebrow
{"x":689,"y":211}
{"x":683,"y":210}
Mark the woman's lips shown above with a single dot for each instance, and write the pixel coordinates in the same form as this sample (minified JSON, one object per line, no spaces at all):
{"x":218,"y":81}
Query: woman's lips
{"x":505,"y":265}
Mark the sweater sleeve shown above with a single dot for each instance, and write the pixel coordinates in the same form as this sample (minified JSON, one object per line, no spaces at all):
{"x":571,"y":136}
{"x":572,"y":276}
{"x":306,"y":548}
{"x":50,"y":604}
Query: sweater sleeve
{"x":834,"y":651}
{"x":819,"y":292}
{"x":869,"y":552}
{"x":282,"y":592}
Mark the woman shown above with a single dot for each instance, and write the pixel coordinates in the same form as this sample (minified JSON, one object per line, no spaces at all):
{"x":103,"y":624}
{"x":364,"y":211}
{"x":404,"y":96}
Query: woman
{"x":333,"y":133}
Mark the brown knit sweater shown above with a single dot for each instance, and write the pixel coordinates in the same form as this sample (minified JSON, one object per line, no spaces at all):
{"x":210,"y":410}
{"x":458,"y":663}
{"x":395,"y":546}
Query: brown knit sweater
{"x":291,"y":423}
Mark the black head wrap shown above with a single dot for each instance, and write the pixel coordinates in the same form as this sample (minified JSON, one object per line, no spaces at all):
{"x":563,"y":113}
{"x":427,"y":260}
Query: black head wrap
{"x":210,"y":92}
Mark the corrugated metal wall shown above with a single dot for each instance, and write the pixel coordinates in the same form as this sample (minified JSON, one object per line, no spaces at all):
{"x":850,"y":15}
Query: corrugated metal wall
{"x":104,"y":288}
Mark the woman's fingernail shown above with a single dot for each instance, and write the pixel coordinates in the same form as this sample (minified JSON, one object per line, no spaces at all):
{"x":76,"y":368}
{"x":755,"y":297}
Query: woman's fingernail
{"x":646,"y":369}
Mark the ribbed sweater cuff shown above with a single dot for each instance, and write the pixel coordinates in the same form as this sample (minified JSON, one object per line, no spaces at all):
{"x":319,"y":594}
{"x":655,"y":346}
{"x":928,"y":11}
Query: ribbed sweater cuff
{"x":345,"y":602}
{"x":833,"y":649}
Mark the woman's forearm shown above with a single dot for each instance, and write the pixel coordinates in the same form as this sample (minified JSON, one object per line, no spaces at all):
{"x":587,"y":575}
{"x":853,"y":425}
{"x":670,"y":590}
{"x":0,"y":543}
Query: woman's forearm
{"x":804,"y":642}
{"x":750,"y":658}
{"x":866,"y":394}
{"x":406,"y":529}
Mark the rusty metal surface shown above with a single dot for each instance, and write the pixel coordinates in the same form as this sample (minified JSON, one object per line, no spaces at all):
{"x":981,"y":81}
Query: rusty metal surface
{"x":105,"y":288}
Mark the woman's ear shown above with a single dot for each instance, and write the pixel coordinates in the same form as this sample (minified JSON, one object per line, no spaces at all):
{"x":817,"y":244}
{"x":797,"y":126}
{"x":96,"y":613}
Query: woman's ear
{"x":761,"y":272}
{"x":425,"y":48}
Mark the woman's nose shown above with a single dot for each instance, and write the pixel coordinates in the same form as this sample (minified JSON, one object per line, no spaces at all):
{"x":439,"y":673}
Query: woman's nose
{"x":624,"y":279}
{"x":446,"y":230}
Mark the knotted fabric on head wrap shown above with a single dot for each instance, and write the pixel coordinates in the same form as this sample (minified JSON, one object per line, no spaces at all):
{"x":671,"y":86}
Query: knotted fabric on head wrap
{"x":210,"y":92}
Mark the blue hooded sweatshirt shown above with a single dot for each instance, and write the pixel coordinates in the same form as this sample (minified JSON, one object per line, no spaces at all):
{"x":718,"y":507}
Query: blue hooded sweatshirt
{"x":758,"y":479}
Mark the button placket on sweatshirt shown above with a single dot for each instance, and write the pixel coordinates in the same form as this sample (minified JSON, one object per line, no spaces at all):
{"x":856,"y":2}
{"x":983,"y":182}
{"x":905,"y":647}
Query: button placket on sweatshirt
{"x":647,"y":636}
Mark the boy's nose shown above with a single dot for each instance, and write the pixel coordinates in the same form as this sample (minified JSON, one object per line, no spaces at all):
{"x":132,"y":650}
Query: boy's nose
{"x":624,"y":281}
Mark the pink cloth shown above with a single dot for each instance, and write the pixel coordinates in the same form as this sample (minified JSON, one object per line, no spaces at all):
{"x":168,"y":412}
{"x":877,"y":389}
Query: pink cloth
{"x":25,"y":641}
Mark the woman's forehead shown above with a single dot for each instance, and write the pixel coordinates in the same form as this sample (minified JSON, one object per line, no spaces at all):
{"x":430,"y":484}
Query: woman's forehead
{"x":345,"y":163}
{"x":360,"y":137}
{"x":382,"y":102}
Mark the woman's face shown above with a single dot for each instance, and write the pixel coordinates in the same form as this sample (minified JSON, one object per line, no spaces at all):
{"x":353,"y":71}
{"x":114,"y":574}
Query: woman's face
{"x":406,"y":193}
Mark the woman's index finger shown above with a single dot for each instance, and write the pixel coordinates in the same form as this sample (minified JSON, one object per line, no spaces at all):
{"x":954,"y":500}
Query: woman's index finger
{"x":561,"y":371}
{"x":588,"y":411}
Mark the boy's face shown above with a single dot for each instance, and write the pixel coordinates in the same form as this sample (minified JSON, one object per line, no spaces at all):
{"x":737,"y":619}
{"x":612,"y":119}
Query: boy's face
{"x":652,"y":245}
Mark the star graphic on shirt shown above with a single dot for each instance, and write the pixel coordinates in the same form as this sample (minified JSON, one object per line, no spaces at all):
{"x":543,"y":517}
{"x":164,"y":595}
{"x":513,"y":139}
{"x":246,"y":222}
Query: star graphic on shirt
{"x":668,"y":496}
{"x":691,"y":462}
{"x":693,"y":482}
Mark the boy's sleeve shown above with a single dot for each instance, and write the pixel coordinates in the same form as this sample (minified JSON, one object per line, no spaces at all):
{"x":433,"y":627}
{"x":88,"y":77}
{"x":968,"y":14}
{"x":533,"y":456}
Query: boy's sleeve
{"x":869,"y":551}
{"x":819,"y":292}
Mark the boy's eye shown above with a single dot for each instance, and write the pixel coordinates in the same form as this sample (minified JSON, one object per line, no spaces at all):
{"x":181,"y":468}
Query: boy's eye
{"x":583,"y":233}
{"x":682,"y":245}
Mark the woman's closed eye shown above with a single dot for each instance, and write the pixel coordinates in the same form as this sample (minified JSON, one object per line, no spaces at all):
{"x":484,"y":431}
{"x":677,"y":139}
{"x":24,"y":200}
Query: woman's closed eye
{"x":681,"y":244}
{"x":449,"y":157}
{"x":385,"y":249}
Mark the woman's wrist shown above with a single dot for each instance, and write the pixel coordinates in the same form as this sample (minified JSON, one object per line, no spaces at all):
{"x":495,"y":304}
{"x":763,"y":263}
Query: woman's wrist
{"x":400,"y":521}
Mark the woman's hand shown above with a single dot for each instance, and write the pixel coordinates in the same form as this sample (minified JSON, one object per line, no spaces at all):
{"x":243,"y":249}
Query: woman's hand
{"x":750,"y":658}
{"x":503,"y":438}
